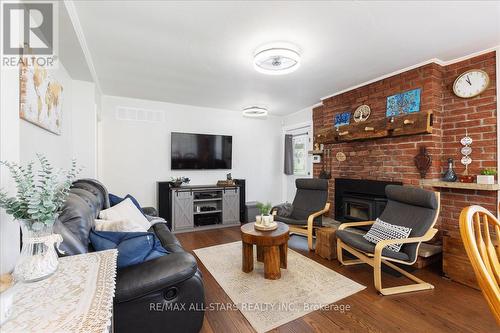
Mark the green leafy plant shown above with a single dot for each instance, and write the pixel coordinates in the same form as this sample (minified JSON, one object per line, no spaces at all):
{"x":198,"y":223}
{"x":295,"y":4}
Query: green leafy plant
{"x":488,"y":172}
{"x":40,"y":193}
{"x":264,"y":208}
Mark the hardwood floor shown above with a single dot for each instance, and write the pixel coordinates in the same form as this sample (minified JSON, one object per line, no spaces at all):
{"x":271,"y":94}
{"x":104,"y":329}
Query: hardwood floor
{"x":450,"y":307}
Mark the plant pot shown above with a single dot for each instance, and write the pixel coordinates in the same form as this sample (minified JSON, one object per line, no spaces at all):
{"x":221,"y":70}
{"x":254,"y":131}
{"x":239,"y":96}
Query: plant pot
{"x":38,"y":259}
{"x":485,"y":179}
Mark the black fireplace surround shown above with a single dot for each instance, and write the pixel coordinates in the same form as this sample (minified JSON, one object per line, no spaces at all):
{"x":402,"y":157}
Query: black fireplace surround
{"x":359,"y":200}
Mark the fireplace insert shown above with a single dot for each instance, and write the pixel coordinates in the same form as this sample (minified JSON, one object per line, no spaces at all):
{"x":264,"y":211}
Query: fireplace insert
{"x":359,"y":200}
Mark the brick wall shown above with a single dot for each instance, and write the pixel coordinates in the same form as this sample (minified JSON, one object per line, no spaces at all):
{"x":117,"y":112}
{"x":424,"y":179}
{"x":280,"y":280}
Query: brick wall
{"x":392,"y":158}
{"x":478,"y":116}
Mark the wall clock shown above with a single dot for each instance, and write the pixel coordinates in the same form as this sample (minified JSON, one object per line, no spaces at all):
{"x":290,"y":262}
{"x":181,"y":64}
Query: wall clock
{"x":471,"y":83}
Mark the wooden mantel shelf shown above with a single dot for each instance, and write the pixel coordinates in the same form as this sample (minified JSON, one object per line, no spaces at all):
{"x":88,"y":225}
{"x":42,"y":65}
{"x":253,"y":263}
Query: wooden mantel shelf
{"x":465,"y":186}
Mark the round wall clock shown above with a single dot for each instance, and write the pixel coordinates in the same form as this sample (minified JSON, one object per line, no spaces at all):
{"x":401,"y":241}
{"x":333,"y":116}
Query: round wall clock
{"x":362,"y":113}
{"x":471,"y":83}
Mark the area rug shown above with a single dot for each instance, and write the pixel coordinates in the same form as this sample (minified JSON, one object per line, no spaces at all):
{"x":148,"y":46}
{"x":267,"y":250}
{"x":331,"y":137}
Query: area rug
{"x":304,"y":287}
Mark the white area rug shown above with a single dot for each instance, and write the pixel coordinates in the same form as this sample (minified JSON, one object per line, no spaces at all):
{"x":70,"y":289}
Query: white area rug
{"x":304,"y":287}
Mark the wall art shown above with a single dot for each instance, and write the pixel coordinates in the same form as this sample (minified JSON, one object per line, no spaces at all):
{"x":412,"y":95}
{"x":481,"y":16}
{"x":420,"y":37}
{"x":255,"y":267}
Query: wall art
{"x":400,"y":104}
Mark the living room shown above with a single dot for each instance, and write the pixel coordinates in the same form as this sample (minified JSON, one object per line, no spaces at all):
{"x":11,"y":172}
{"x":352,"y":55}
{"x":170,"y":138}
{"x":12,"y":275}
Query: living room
{"x":215,"y":166}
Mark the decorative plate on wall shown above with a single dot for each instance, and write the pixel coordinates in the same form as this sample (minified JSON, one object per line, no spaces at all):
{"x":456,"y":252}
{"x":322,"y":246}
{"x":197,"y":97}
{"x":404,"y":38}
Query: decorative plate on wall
{"x":466,"y":141}
{"x":340,"y":156}
{"x":362,"y":113}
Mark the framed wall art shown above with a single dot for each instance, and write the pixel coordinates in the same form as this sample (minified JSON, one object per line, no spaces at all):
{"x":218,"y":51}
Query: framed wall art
{"x":342,"y":119}
{"x":40,"y":98}
{"x":403,"y":103}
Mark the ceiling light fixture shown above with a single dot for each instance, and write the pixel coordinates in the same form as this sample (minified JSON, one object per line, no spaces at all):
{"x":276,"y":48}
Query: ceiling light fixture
{"x":255,"y":112}
{"x":276,"y":60}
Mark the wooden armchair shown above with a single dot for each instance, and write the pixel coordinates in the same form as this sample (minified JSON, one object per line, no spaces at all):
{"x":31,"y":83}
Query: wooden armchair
{"x":483,"y":253}
{"x":407,"y":206}
{"x":309,"y":206}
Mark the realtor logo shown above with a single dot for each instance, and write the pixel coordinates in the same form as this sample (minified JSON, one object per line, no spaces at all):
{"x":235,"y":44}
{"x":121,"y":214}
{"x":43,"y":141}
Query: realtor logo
{"x":28,"y":30}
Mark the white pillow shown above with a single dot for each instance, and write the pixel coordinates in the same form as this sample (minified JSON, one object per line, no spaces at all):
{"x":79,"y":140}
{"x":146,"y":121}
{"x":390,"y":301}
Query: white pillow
{"x":118,"y":225}
{"x":381,"y":230}
{"x":125,"y":210}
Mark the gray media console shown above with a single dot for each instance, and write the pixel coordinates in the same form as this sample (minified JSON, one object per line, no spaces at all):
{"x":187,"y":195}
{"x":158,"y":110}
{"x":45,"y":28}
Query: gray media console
{"x":204,"y":207}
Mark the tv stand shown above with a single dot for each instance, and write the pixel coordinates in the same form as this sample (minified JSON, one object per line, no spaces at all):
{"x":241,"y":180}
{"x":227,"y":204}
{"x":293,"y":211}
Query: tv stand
{"x":190,"y":208}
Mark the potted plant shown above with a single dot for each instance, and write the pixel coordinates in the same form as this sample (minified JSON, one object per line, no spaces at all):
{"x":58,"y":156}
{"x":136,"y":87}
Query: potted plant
{"x":265,"y":218}
{"x":487,"y":176}
{"x":40,"y":195}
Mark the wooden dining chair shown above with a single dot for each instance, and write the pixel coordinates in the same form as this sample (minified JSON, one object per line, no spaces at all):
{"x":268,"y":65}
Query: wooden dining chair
{"x":477,"y":228}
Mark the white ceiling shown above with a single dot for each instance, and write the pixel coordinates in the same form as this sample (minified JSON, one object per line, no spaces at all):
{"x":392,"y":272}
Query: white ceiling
{"x":200,"y":52}
{"x":70,"y":52}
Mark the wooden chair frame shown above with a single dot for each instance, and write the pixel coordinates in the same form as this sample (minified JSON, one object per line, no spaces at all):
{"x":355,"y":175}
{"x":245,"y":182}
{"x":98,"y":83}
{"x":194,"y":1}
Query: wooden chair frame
{"x":376,"y":259}
{"x":308,"y":230}
{"x":482,"y":252}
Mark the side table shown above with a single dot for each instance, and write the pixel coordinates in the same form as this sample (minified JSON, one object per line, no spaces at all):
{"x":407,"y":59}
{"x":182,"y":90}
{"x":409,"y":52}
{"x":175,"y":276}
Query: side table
{"x":78,"y":297}
{"x":272,"y":247}
{"x":326,"y":243}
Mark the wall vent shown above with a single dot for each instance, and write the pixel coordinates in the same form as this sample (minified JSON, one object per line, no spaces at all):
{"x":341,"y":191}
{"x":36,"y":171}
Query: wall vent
{"x":136,"y":114}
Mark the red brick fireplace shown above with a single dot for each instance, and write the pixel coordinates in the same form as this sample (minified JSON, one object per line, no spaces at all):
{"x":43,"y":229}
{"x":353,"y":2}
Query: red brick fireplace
{"x":391,"y":159}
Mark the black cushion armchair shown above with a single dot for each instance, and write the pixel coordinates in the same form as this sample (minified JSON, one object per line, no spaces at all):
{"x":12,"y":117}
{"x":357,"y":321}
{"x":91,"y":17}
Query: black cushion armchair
{"x":407,"y":206}
{"x":163,"y":294}
{"x":309,"y":206}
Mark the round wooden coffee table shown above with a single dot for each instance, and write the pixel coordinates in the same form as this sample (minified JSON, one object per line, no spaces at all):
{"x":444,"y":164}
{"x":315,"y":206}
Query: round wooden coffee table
{"x":272,"y":249}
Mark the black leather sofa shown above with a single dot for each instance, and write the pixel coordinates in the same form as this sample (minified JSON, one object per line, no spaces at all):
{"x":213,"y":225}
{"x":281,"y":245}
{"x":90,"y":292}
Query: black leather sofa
{"x":162,"y":295}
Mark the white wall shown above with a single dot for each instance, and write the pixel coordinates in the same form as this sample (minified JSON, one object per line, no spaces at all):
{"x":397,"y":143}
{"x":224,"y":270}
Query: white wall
{"x":135,"y":155}
{"x":57,"y":148}
{"x":78,"y":132}
{"x":84,"y":127}
{"x":21,"y":140}
{"x":299,"y":117}
{"x":9,"y":151}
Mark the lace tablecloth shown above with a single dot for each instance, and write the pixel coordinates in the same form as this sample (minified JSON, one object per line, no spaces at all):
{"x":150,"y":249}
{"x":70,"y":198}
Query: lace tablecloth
{"x":77,"y":298}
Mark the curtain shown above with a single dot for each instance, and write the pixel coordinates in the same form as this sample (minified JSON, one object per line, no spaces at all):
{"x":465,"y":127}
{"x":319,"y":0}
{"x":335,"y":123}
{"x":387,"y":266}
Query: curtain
{"x":288,"y":167}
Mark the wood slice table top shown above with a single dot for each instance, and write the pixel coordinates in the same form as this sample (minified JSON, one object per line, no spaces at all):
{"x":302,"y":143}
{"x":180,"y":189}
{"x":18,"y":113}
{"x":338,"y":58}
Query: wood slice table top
{"x":250,"y":235}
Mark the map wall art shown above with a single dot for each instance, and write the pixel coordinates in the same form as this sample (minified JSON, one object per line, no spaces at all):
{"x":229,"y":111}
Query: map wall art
{"x":40,"y":98}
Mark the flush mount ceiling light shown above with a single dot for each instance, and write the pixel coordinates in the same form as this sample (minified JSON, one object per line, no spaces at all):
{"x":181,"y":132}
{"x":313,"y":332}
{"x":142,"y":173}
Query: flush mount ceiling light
{"x":276,"y":60}
{"x":255,"y":112}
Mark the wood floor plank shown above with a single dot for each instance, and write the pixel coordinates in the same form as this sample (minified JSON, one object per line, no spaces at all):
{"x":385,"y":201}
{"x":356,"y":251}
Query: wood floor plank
{"x":450,"y":307}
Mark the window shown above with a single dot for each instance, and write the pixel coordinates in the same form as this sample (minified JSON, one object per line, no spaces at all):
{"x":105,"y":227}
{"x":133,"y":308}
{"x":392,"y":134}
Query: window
{"x":299,"y":143}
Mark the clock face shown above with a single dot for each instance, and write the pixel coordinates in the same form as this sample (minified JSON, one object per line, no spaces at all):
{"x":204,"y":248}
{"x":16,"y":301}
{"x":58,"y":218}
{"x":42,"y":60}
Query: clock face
{"x":471,"y":83}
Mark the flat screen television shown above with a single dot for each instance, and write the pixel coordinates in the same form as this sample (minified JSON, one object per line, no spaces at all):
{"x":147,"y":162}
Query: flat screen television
{"x":200,"y":151}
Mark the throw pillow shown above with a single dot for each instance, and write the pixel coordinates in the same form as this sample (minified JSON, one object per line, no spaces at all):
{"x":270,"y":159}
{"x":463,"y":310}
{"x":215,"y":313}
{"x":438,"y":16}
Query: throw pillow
{"x":118,"y":225}
{"x":284,"y":210}
{"x":125,"y":210}
{"x":133,"y":247}
{"x":115,"y":200}
{"x":381,"y":230}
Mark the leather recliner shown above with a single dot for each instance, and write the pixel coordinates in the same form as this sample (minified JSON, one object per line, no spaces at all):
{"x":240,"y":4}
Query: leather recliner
{"x":160,"y":295}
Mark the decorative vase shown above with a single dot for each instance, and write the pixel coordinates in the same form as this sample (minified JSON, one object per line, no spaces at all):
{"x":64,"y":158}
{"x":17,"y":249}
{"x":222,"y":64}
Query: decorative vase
{"x":450,"y":175}
{"x":38,"y":259}
{"x":423,"y":161}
